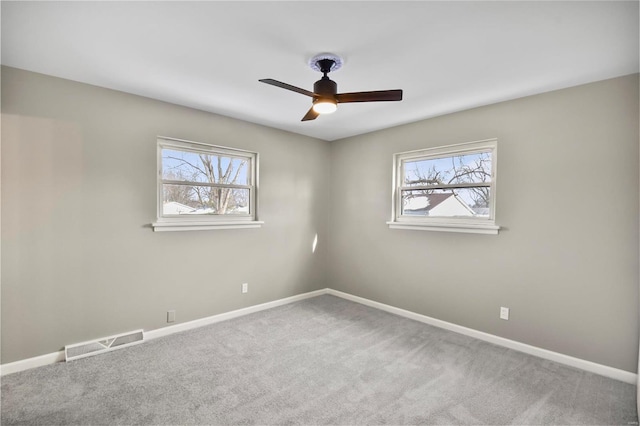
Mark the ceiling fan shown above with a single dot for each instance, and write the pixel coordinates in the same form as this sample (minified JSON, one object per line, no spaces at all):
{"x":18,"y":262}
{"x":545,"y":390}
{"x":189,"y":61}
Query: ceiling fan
{"x":325,"y":96}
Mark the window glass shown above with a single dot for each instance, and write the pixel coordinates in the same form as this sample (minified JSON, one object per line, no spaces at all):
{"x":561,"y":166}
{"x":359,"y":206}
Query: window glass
{"x":466,"y":168}
{"x":462,"y":202}
{"x":448,"y":187}
{"x":199,"y":182}
{"x":202,"y":167}
{"x":204,"y":200}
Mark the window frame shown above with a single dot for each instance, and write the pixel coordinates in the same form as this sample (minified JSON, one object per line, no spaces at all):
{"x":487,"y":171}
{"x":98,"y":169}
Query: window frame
{"x":483,"y":225}
{"x":186,"y":222}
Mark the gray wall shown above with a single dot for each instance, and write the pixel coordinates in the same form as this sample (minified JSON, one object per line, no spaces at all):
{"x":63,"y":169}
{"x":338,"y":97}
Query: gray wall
{"x":79,"y":191}
{"x":566,"y":259}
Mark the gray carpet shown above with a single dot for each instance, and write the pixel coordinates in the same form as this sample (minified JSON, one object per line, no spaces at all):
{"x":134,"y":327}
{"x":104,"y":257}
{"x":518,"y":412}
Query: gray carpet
{"x":319,"y":361}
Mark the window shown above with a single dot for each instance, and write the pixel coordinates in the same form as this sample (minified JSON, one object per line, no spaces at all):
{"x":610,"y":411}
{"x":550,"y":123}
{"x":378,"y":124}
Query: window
{"x":204,"y":186}
{"x":450,"y":188}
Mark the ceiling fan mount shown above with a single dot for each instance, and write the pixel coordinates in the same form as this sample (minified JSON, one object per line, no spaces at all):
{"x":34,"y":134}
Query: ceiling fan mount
{"x":325,"y":62}
{"x":325,"y":91}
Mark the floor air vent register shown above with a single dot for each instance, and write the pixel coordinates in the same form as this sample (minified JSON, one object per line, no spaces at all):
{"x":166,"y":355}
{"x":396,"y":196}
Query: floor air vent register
{"x":106,"y":344}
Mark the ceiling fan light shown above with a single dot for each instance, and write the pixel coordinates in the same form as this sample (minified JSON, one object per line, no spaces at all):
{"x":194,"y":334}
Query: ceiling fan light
{"x":325,"y":106}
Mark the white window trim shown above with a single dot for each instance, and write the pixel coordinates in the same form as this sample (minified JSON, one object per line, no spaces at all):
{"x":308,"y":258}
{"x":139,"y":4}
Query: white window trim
{"x":446,"y":224}
{"x":195,"y":223}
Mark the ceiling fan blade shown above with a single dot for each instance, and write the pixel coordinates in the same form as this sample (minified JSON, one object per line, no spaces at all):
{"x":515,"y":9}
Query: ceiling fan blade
{"x":375,"y":96}
{"x":286,"y":86}
{"x":310,"y":115}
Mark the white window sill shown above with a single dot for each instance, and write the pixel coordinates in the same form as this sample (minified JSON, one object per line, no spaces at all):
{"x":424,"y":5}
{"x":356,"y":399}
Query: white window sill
{"x":203,"y":226}
{"x":472,"y":228}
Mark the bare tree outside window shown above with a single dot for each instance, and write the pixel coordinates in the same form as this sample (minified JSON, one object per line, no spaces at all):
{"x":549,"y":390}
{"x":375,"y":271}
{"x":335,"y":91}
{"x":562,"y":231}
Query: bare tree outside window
{"x":214,"y":184}
{"x":434,"y":174}
{"x":447,"y":188}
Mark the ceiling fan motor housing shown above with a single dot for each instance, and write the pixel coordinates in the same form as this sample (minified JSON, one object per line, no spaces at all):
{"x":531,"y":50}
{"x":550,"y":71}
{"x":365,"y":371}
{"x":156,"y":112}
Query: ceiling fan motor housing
{"x":325,"y":87}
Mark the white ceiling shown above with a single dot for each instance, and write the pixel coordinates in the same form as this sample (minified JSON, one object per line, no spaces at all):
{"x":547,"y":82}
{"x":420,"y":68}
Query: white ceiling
{"x":446,"y":56}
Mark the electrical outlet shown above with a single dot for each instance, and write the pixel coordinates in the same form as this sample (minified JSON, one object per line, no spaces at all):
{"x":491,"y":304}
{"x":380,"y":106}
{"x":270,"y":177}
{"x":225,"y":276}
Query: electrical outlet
{"x":245,"y":287}
{"x":171,"y":316}
{"x":504,"y":313}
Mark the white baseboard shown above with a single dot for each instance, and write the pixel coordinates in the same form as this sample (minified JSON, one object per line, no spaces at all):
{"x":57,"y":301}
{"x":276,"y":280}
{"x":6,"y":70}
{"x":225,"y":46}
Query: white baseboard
{"x":603,"y":370}
{"x":52,"y":358}
{"x":165,"y":331}
{"x":592,"y":367}
{"x":26,"y":364}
